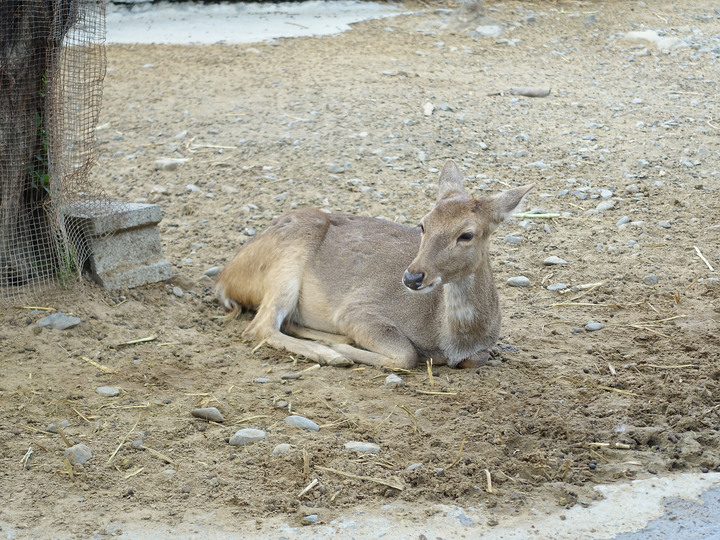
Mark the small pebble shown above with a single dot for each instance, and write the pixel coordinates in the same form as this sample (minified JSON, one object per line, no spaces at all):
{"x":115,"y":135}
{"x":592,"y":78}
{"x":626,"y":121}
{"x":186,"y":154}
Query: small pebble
{"x":282,"y":404}
{"x":650,"y":279}
{"x":362,"y":447}
{"x":622,"y":221}
{"x":394,"y":380}
{"x":290,"y":376}
{"x":510,"y":239}
{"x":78,"y":454}
{"x":177,"y":291}
{"x":301,"y":422}
{"x":108,"y":391}
{"x":247,"y":436}
{"x":556,"y":287}
{"x":518,"y":281}
{"x":593,"y":326}
{"x":664,"y":224}
{"x":309,"y":520}
{"x":261,"y":380}
{"x":210,"y":414}
{"x":212,"y":272}
{"x":282,"y":448}
{"x":553,"y":260}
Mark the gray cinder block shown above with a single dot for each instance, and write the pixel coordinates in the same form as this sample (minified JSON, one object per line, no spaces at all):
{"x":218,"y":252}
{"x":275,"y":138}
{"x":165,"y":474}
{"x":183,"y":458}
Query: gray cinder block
{"x":124,"y":242}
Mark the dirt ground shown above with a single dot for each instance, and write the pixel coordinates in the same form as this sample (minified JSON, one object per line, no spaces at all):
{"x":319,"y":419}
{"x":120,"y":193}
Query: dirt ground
{"x":340,"y":123}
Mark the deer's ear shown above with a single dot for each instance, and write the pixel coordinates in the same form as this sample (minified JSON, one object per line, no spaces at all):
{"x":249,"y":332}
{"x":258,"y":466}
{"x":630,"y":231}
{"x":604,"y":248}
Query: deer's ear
{"x":451,"y":183}
{"x":507,"y":202}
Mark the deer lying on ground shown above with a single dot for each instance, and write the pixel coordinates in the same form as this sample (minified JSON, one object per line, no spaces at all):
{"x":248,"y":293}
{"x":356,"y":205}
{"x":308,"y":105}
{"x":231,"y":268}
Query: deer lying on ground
{"x":340,"y":289}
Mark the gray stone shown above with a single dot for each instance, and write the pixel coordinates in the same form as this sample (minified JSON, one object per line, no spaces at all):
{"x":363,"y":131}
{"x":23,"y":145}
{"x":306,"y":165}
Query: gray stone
{"x":518,"y":281}
{"x":491,"y":30}
{"x":309,"y":520}
{"x":665,"y":224}
{"x":556,"y":287}
{"x":169,"y":164}
{"x":593,"y":326}
{"x":362,"y":447}
{"x":78,"y":454}
{"x":622,"y":221}
{"x":301,"y":422}
{"x":247,"y":436}
{"x":510,"y":239}
{"x":394,"y":380}
{"x":108,"y":391}
{"x":208,"y":413}
{"x":605,"y":206}
{"x":261,"y":380}
{"x":650,"y":279}
{"x":59,"y":320}
{"x":212,"y":272}
{"x":282,"y":448}
{"x":554,"y":260}
{"x":177,"y":291}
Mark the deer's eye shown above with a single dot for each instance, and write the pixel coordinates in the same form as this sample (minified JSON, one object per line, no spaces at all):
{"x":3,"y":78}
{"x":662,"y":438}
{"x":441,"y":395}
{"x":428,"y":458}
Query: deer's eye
{"x":465,"y":237}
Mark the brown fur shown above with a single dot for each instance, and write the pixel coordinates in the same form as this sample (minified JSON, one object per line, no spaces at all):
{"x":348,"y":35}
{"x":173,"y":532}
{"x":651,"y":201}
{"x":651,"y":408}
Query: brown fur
{"x":338,"y":282}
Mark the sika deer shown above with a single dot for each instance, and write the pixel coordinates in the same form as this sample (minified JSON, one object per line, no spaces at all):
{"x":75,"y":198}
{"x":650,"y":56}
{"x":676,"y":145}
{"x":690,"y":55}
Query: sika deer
{"x":374,"y":291}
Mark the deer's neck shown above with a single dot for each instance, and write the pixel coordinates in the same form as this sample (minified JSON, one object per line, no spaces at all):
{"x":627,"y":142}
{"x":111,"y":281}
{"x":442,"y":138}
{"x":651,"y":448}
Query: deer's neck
{"x":471,"y":315}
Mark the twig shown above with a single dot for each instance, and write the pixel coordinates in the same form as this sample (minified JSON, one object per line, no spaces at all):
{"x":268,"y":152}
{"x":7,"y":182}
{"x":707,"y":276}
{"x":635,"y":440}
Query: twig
{"x":389,"y":483}
{"x":427,"y":393}
{"x":258,"y":346}
{"x":308,"y":487}
{"x":704,"y":259}
{"x":429,"y":363}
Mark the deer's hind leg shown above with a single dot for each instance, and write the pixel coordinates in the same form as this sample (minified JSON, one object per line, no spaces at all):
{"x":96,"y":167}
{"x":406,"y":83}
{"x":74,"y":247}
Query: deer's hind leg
{"x":267,"y":325}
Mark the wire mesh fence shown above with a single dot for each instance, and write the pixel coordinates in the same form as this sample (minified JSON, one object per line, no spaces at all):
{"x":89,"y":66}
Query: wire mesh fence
{"x":52,"y":66}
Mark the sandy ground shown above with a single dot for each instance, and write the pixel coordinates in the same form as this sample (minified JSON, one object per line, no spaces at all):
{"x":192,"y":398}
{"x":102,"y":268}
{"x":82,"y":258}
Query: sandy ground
{"x":340,"y":122}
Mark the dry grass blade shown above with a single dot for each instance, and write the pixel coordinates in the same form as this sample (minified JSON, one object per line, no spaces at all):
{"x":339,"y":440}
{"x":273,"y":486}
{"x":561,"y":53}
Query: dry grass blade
{"x":462,"y":445}
{"x":64,"y":438}
{"x":26,"y":457}
{"x":395,"y":484}
{"x":592,"y":385}
{"x":430,"y":373}
{"x":158,"y":455}
{"x":416,"y":428}
{"x":141,"y":469}
{"x":697,"y":249}
{"x":489,"y":481}
{"x":125,"y":438}
{"x":99,"y":366}
{"x":680,"y":366}
{"x":37,"y":308}
{"x":619,"y":446}
{"x":136,"y":341}
{"x":428,"y":393}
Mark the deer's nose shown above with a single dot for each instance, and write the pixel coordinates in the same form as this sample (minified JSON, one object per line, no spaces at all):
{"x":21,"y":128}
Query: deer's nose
{"x":413,"y":281}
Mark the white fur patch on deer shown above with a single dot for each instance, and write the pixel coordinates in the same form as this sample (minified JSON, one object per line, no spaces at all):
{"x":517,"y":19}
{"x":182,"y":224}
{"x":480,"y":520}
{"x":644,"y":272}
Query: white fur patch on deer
{"x":340,"y":289}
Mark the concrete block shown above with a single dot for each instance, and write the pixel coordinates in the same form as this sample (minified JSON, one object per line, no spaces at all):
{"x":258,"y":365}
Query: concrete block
{"x":124,"y":242}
